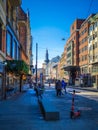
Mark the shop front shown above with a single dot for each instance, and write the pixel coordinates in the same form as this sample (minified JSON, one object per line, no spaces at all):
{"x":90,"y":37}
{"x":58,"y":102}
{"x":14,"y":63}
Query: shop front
{"x":16,"y":73}
{"x":73,"y":72}
{"x":95,"y":75}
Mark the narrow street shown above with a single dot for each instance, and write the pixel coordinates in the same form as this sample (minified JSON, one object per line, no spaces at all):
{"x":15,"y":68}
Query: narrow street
{"x":45,"y":47}
{"x":22,"y":112}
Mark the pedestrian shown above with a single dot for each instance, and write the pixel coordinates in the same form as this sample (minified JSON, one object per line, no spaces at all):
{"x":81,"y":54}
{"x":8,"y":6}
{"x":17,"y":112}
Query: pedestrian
{"x":58,"y":88}
{"x":49,"y":84}
{"x":64,"y":84}
{"x":40,"y":90}
{"x":36,"y":89}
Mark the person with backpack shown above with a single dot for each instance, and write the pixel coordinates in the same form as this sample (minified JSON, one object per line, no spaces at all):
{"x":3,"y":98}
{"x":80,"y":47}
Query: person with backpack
{"x":64,"y":84}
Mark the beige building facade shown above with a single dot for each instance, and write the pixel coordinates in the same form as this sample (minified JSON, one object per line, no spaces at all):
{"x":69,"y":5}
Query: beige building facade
{"x":93,"y":49}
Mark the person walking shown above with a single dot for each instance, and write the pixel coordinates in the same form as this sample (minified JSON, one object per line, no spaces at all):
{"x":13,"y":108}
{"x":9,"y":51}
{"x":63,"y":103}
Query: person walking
{"x":49,"y":84}
{"x":64,"y":84}
{"x":40,"y":90}
{"x":58,"y":88}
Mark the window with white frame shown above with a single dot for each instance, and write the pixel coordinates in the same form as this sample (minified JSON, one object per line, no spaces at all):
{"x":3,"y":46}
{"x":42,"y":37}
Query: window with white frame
{"x":95,"y":25}
{"x":91,"y":28}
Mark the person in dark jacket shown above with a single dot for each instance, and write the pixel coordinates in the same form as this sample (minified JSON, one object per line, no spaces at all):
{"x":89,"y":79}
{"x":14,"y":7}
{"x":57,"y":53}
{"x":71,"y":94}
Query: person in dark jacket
{"x":58,"y":87}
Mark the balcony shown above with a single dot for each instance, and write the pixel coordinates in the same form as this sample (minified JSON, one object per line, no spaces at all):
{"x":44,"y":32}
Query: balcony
{"x":15,"y":3}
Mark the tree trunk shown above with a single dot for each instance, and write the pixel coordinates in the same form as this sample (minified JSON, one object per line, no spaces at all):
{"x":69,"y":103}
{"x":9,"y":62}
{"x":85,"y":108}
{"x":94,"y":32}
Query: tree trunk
{"x":20,"y":83}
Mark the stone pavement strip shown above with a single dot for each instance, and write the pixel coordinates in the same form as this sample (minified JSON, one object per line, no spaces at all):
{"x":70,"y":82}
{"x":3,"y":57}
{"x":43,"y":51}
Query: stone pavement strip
{"x":22,"y":112}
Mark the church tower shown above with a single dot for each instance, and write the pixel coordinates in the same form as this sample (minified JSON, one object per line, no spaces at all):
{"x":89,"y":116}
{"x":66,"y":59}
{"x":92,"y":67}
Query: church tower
{"x":47,"y":65}
{"x":47,"y":57}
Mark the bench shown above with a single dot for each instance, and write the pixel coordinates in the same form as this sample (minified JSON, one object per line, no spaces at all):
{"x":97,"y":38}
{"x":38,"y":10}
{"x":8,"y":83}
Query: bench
{"x":49,"y":111}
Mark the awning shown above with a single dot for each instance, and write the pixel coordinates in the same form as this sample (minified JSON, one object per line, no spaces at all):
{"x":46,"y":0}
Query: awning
{"x":71,"y":68}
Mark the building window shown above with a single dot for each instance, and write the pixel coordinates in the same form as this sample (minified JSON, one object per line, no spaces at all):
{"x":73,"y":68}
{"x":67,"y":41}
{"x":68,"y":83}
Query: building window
{"x":85,"y":30}
{"x":90,"y":38}
{"x":73,"y":27}
{"x":69,"y":48}
{"x":91,"y":28}
{"x":18,"y":53}
{"x":13,"y":50}
{"x":68,"y":55}
{"x":85,"y":57}
{"x":86,"y":48}
{"x":9,"y":41}
{"x":95,"y":25}
{"x":85,"y":39}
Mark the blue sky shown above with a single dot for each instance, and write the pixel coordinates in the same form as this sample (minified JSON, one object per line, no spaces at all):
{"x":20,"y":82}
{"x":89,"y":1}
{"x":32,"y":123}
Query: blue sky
{"x":50,"y":21}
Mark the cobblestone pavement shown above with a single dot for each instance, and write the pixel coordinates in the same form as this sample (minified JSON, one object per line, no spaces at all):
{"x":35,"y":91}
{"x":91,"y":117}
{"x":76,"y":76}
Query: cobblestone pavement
{"x":22,"y":112}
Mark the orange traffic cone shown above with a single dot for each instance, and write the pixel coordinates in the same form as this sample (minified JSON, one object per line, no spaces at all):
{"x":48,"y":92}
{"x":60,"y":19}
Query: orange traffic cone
{"x":77,"y":114}
{"x":72,"y":107}
{"x":72,"y":113}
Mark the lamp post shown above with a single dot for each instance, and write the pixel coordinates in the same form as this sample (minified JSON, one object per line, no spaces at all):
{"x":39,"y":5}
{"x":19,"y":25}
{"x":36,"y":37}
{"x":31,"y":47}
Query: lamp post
{"x":36,"y":60}
{"x":5,"y":64}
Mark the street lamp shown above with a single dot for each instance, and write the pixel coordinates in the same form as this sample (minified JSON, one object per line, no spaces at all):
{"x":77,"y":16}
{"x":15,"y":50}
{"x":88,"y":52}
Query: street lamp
{"x":5,"y":64}
{"x":36,"y":60}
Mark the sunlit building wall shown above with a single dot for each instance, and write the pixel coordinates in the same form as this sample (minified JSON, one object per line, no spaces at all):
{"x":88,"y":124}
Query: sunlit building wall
{"x":83,"y":47}
{"x":12,"y":37}
{"x":93,"y":48}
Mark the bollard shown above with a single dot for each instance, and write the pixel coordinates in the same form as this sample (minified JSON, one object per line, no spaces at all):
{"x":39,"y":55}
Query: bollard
{"x":72,"y":113}
{"x":72,"y":107}
{"x":72,"y":110}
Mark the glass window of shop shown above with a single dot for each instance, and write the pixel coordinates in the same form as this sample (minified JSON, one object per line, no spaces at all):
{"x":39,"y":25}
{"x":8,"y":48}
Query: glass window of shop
{"x":16,"y":50}
{"x":9,"y":40}
{"x":13,"y":50}
{"x":18,"y":53}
